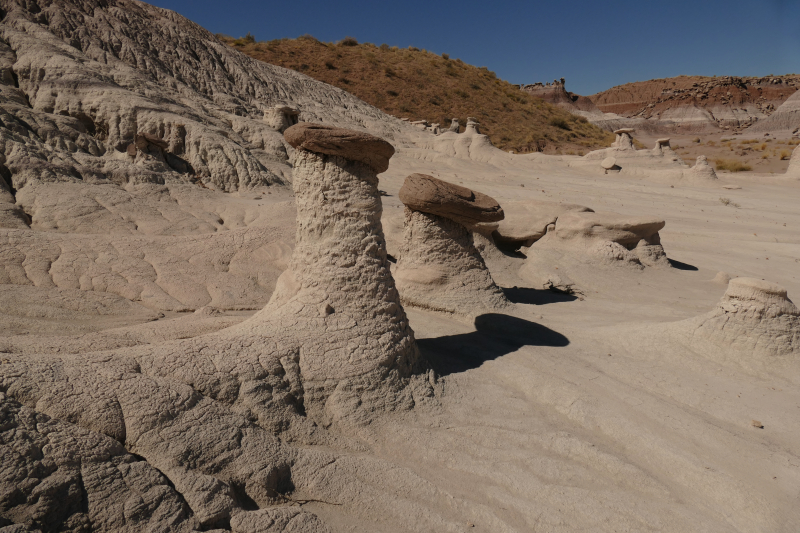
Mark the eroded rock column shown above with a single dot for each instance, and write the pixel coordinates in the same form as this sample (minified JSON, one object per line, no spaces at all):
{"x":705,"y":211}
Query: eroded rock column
{"x":439,"y":266}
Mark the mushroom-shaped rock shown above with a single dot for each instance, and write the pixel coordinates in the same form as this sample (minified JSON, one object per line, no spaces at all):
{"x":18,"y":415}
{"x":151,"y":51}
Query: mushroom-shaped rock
{"x":624,"y":140}
{"x":662,"y":146}
{"x":526,"y":221}
{"x":470,"y":208}
{"x":351,"y":145}
{"x":472,"y":126}
{"x":754,"y":317}
{"x":453,"y":126}
{"x":701,"y":170}
{"x":439,"y":266}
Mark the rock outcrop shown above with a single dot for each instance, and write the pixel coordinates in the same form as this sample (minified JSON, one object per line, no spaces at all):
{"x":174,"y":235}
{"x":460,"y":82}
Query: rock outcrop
{"x":754,"y":318}
{"x":453,"y":126}
{"x":333,"y":345}
{"x":439,"y":266}
{"x":624,"y":140}
{"x":701,"y":170}
{"x":528,"y":221}
{"x":592,"y":239}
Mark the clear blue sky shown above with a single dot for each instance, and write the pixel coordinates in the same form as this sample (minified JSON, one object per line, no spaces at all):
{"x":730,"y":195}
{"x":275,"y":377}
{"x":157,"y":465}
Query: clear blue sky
{"x":593,"y":44}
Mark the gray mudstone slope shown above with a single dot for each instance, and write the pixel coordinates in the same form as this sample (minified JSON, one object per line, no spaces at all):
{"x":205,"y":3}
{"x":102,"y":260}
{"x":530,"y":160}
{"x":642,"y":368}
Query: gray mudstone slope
{"x":333,"y":345}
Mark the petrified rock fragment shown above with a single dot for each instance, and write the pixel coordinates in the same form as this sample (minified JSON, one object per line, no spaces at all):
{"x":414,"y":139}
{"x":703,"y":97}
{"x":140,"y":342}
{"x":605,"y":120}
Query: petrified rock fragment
{"x":754,"y":317}
{"x":439,"y":266}
{"x":349,"y":144}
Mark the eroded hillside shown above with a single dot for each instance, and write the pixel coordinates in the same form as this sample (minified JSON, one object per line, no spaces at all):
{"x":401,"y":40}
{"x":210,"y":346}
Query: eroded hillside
{"x":422,"y":85}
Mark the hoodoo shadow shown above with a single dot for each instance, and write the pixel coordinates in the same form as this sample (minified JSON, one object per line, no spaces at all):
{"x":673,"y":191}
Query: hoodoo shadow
{"x":682,"y":266}
{"x":527,"y":295}
{"x":496,"y":336}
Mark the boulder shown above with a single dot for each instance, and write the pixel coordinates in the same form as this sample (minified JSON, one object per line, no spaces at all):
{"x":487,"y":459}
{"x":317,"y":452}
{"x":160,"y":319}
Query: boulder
{"x":608,"y":163}
{"x":427,"y":194}
{"x":349,"y":144}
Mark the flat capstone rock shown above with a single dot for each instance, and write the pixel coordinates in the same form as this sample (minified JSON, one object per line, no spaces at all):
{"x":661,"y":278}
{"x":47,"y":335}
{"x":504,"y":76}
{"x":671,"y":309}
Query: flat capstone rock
{"x":350,"y":144}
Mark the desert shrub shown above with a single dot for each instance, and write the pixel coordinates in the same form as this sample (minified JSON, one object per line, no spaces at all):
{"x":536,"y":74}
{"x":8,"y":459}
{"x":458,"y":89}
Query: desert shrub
{"x":348,"y":41}
{"x":763,"y":147}
{"x":308,"y":37}
{"x":732,"y":165}
{"x":413,"y":49}
{"x":728,"y":201}
{"x":750,"y":141}
{"x":711,"y":143}
{"x":384,"y":47}
{"x":696,"y":140}
{"x":785,"y":154}
{"x":344,"y":80}
{"x":559,"y":123}
{"x":392,"y":93}
{"x":389,"y":71}
{"x":330,"y":65}
{"x":445,"y":56}
{"x":578,"y":118}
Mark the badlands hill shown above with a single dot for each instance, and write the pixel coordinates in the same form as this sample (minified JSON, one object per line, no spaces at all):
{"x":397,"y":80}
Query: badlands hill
{"x":421,"y":85}
{"x":699,"y":104}
{"x":234,"y":298}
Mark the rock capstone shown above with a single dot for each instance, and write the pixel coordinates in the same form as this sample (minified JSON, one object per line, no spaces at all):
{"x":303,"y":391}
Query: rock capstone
{"x":349,"y":144}
{"x":427,"y":194}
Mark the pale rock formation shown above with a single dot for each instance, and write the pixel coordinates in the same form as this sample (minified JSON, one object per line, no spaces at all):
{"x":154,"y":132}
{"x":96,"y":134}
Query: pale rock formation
{"x":440,"y":267}
{"x":281,"y":117}
{"x":453,"y":126}
{"x":608,"y":163}
{"x":624,"y":140}
{"x":527,"y":221}
{"x":785,"y":118}
{"x":435,"y":129}
{"x":472,"y":126}
{"x":755,"y":318}
{"x":333,"y":344}
{"x":593,"y":239}
{"x":701,"y":170}
{"x":662,"y":146}
{"x":794,"y":164}
{"x":722,"y":278}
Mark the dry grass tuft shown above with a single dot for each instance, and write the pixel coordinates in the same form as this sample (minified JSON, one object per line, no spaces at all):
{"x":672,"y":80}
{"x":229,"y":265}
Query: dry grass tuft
{"x":728,"y":201}
{"x":418,"y":84}
{"x":732,"y":165}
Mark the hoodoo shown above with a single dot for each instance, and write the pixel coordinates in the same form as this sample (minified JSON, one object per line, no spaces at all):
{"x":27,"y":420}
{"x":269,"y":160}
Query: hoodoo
{"x":754,"y":317}
{"x":439,"y":267}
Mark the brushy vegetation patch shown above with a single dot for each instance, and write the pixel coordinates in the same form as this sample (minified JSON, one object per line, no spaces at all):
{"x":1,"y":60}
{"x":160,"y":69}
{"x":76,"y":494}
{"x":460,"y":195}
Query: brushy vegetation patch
{"x":728,"y":201}
{"x":418,"y":84}
{"x":732,"y":165}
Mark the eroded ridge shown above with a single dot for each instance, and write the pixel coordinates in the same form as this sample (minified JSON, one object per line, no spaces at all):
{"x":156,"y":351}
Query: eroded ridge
{"x":439,"y":266}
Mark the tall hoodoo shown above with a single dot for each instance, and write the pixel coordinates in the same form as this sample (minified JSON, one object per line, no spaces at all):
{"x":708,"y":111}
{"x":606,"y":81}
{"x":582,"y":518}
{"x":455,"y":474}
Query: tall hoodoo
{"x":335,"y":310}
{"x":453,"y":126}
{"x":439,"y":266}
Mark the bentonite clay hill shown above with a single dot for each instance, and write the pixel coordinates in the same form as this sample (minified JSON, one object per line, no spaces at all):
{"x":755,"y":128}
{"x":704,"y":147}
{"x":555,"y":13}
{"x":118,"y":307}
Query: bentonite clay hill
{"x":699,"y":104}
{"x":234,"y":298}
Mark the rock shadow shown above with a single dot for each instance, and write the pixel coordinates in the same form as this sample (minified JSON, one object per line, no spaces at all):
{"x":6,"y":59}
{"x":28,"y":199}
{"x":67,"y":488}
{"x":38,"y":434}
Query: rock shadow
{"x":496,"y":335}
{"x":682,"y":266}
{"x":526,"y":295}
